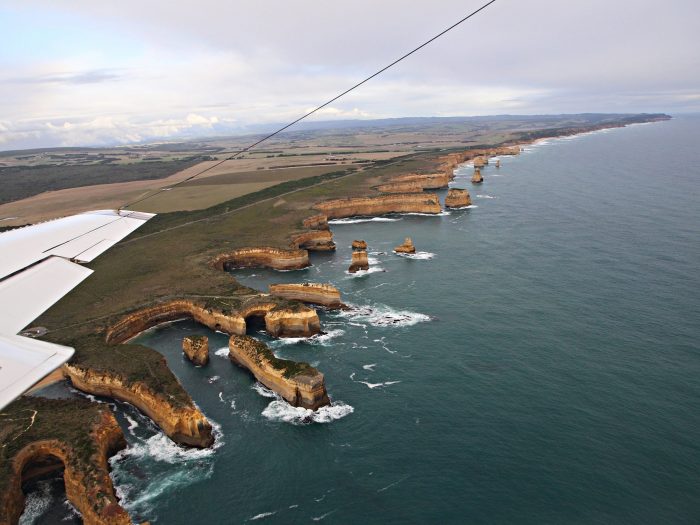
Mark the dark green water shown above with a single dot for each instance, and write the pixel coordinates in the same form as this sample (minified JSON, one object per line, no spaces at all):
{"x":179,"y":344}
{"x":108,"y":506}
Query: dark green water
{"x":553,"y":376}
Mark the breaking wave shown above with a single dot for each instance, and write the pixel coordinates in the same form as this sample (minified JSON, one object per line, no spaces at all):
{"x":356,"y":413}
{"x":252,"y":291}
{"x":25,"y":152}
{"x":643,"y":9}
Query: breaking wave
{"x":364,"y":273}
{"x":382,"y":315}
{"x":222,"y":352}
{"x":318,"y":339}
{"x":485,"y":197}
{"x":418,"y":256}
{"x":280,"y":410}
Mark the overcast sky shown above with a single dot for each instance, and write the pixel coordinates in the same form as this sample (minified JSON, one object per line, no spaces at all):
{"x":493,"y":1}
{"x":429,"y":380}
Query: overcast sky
{"x":86,"y":72}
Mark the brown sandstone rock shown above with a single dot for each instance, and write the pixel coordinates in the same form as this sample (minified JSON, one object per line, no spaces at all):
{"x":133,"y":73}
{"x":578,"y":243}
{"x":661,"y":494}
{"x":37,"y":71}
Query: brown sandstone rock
{"x":316,"y":222}
{"x":406,"y":247}
{"x":359,"y":245}
{"x":314,"y":240}
{"x":477,"y":178}
{"x":262,"y":257}
{"x":300,"y":384}
{"x":359,"y":261}
{"x":414,"y":182}
{"x":457,"y":198}
{"x":196,"y":348}
{"x":381,"y":205}
{"x":323,"y":294}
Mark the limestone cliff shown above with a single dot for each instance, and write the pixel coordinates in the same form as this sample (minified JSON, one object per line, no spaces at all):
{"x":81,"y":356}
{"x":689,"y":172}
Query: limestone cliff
{"x":314,"y":240}
{"x":477,"y":178}
{"x":322,"y":294}
{"x":359,"y":245}
{"x":262,"y":257}
{"x":41,"y":435}
{"x":196,"y":348}
{"x":359,"y":261}
{"x":316,"y":222}
{"x":381,"y":205}
{"x":457,"y":198}
{"x":452,"y":160}
{"x":300,"y":384}
{"x":182,"y":422}
{"x":406,"y":247}
{"x":282,"y":319}
{"x":413,"y":182}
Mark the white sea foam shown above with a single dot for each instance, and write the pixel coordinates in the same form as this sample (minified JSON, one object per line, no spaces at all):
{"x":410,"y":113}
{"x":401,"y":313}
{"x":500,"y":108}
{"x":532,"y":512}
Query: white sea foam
{"x":213,"y":379}
{"x":132,"y":424}
{"x":418,"y":256}
{"x":382,"y":315}
{"x":36,"y":503}
{"x":262,"y":515}
{"x":369,"y":367}
{"x":441,"y":214}
{"x":485,"y":196}
{"x":364,"y":273}
{"x":263,"y":390}
{"x":356,"y":220}
{"x":222,"y":352}
{"x":372,"y":386}
{"x":318,"y":339}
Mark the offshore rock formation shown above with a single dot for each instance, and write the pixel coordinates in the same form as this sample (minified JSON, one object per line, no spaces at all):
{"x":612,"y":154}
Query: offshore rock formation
{"x":263,"y":257}
{"x":414,"y":182}
{"x":196,"y":348}
{"x":498,"y":163}
{"x":181,"y":421}
{"x":406,"y":247}
{"x":282,"y":319}
{"x":300,"y":384}
{"x":477,"y":178}
{"x":359,"y":261}
{"x":480,"y":162}
{"x":40,"y":435}
{"x":314,"y":240}
{"x":457,"y":198}
{"x":452,"y":160}
{"x":316,"y":222}
{"x":359,"y":245}
{"x":322,"y":294}
{"x":381,"y":205}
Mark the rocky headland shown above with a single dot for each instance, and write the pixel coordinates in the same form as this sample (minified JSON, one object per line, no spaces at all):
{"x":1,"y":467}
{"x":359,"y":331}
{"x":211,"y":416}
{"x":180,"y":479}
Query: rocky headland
{"x":457,"y":198}
{"x":380,"y":205}
{"x":262,"y":257}
{"x":413,"y":182}
{"x":359,"y":261}
{"x":316,"y":222}
{"x":314,"y":240}
{"x":300,"y":384}
{"x":40,"y":436}
{"x":196,"y":349}
{"x":312,"y":293}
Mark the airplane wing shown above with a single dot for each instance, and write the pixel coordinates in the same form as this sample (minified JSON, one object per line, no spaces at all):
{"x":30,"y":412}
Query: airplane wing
{"x":39,"y":264}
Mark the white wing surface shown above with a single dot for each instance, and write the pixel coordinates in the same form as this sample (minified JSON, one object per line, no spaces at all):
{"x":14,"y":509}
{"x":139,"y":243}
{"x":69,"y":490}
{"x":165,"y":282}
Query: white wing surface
{"x":37,"y":268}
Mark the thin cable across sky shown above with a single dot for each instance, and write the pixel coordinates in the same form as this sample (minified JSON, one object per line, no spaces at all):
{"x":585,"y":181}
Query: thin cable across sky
{"x":267,"y":137}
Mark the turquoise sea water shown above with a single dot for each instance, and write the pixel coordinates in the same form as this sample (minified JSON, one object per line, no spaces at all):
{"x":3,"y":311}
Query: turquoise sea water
{"x":538,"y":363}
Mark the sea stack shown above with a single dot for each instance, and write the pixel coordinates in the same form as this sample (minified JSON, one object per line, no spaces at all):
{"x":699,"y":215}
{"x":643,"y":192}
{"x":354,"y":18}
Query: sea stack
{"x":359,"y":261}
{"x":498,"y":163}
{"x":406,"y":247}
{"x":359,"y":245}
{"x":477,"y":178}
{"x":196,"y":348}
{"x":480,"y":162}
{"x":457,"y":198}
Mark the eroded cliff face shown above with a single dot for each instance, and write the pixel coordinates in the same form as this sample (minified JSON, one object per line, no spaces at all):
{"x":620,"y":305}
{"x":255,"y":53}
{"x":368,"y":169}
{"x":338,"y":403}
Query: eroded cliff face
{"x":182,"y":422}
{"x":457,"y":198}
{"x":359,"y":245}
{"x":316,"y":222}
{"x":452,"y":160}
{"x":298,"y":322}
{"x":477,"y":178}
{"x":262,"y":257}
{"x":196,"y":348}
{"x":85,"y":469}
{"x":359,"y":261}
{"x":300,"y":384}
{"x":414,"y":182}
{"x":381,"y":205}
{"x":314,"y":240}
{"x":323,"y":294}
{"x":136,"y":322}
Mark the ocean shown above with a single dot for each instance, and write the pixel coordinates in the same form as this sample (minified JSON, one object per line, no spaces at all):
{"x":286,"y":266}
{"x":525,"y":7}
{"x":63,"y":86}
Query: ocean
{"x":537,"y":362}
